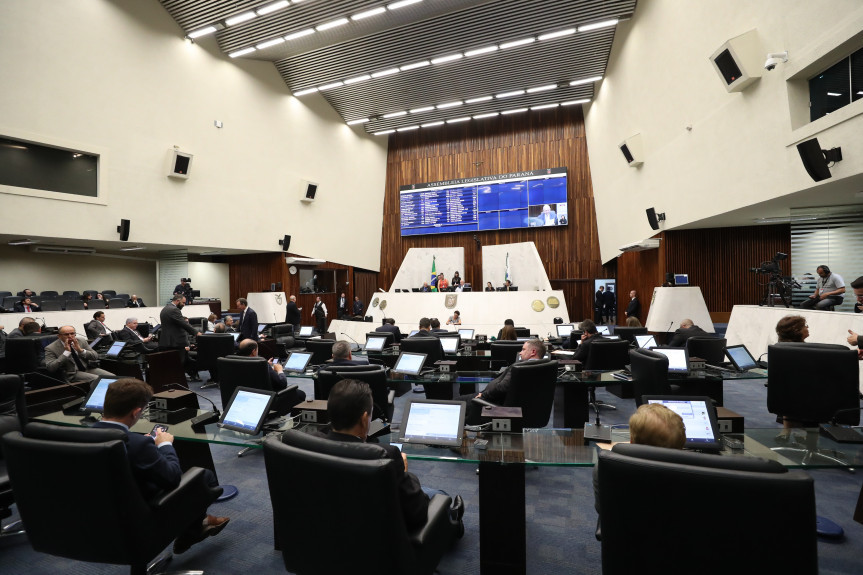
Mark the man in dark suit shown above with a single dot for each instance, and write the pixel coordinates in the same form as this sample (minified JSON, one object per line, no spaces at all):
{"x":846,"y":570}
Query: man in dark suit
{"x":495,"y":392}
{"x":26,"y":306}
{"x":135,"y":301}
{"x":687,"y":330}
{"x":349,"y":407}
{"x":435,"y":326}
{"x":342,"y":306}
{"x":588,"y":336}
{"x":136,"y":342}
{"x":358,"y":306}
{"x":153,"y":460}
{"x":248,"y":321}
{"x":70,"y":356}
{"x":96,"y":327}
{"x":609,"y":306}
{"x":424,"y":328}
{"x":175,"y":331}
{"x":17,"y":332}
{"x":598,"y":304}
{"x":319,"y":312}
{"x":634,"y":307}
{"x":293,"y":314}
{"x":278,"y":380}
{"x":342,"y":354}
{"x":391,"y":327}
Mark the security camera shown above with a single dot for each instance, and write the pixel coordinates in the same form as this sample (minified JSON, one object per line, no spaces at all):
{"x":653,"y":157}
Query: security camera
{"x":775,"y":58}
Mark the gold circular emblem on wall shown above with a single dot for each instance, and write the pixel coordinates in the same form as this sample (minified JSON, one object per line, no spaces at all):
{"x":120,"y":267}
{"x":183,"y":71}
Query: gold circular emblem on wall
{"x":375,"y":302}
{"x":384,"y":304}
{"x":537,"y":305}
{"x":553,"y":302}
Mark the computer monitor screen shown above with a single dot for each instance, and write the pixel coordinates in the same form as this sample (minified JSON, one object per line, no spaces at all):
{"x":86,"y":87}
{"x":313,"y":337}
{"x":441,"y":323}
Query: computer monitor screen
{"x":681,"y":279}
{"x":645,"y":341}
{"x":247,"y":410}
{"x":450,"y":344}
{"x":678,"y":358}
{"x":740,"y":357}
{"x":306,"y":330}
{"x":410,"y":363}
{"x":466,"y":333}
{"x":235,"y":334}
{"x":603,"y":329}
{"x":297,"y":361}
{"x":375,"y":343}
{"x":115,"y":349}
{"x":261,"y":327}
{"x":96,"y":400}
{"x":433,"y":422}
{"x":611,"y":337}
{"x":413,"y":332}
{"x":564,"y":329}
{"x":699,"y":419}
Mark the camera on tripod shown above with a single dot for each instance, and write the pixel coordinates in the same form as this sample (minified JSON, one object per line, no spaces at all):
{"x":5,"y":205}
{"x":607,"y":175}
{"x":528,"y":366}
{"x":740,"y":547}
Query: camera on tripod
{"x":771,"y":267}
{"x":778,"y":286}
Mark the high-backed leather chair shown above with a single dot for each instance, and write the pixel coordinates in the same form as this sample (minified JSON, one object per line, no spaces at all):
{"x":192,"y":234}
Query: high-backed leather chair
{"x":283,"y":333}
{"x":212,"y":346}
{"x":108,"y":293}
{"x":506,"y":351}
{"x":649,"y":374}
{"x":236,"y":371}
{"x":116,"y":303}
{"x":374,"y":375}
{"x":628,"y":333}
{"x":52,"y":305}
{"x":71,"y":294}
{"x":755,"y":497}
{"x":92,"y":464}
{"x":74,"y":304}
{"x":9,"y":302}
{"x":430,"y":346}
{"x":531,"y":389}
{"x":13,"y":417}
{"x":48,"y":293}
{"x":711,"y":349}
{"x":347,"y":480}
{"x":25,"y":356}
{"x":809,"y":382}
{"x":322,"y":350}
{"x":608,"y":354}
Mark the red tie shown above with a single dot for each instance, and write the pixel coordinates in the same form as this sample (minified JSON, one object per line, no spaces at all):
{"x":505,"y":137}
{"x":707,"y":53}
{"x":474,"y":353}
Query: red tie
{"x":27,"y":308}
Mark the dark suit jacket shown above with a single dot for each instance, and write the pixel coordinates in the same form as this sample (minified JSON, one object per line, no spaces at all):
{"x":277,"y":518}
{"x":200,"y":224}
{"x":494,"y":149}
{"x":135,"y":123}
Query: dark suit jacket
{"x":175,"y":329}
{"x":358,"y":308}
{"x":293,"y":314}
{"x":249,"y":325}
{"x":394,"y":329}
{"x":19,"y":308}
{"x":634,"y":308}
{"x":346,"y":362}
{"x":343,"y":306}
{"x":138,"y":303}
{"x":598,"y":299}
{"x":154,"y":468}
{"x":496,"y":390}
{"x":681,"y":335}
{"x":135,"y":342}
{"x":584,"y":348}
{"x":414,"y":501}
{"x":279,"y":381}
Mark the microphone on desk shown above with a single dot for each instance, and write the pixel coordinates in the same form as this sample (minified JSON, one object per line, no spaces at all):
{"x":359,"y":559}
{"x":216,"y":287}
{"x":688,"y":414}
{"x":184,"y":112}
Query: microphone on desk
{"x":353,"y":340}
{"x":839,"y":432}
{"x":74,"y":407}
{"x":199,"y":421}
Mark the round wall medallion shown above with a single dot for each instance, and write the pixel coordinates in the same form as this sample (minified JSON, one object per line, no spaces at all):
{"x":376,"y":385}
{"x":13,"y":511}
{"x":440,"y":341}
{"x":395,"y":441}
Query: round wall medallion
{"x":537,"y":305}
{"x":375,"y":302}
{"x":552,"y":302}
{"x":384,"y":304}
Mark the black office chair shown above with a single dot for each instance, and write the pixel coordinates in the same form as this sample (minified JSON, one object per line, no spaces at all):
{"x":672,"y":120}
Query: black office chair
{"x":116,"y":303}
{"x":531,"y":389}
{"x":9,"y":302}
{"x":236,"y":371}
{"x":629,"y":333}
{"x":52,"y":305}
{"x":123,"y":296}
{"x":212,"y":346}
{"x":374,"y":375}
{"x":108,"y":293}
{"x":283,"y":333}
{"x":522,"y":332}
{"x":25,"y":356}
{"x":649,"y":374}
{"x":506,"y":351}
{"x":748,"y":497}
{"x":91,"y":292}
{"x":71,"y":294}
{"x":4,"y":293}
{"x":48,"y":293}
{"x":96,"y":304}
{"x":321,"y":349}
{"x":710,"y":349}
{"x":92,"y":464}
{"x":430,"y":346}
{"x":606,"y":355}
{"x":74,"y":304}
{"x":13,"y":417}
{"x":347,"y":480}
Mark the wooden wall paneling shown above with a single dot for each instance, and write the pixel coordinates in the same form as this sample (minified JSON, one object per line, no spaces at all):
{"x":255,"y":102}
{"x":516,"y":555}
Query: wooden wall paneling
{"x":639,"y":271}
{"x":254,"y":273}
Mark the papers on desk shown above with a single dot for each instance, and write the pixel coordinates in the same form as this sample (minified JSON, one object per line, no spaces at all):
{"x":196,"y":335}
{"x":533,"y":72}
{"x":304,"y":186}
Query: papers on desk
{"x":563,"y":352}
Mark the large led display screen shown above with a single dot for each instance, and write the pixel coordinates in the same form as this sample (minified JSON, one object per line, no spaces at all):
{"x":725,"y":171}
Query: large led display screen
{"x":504,"y":201}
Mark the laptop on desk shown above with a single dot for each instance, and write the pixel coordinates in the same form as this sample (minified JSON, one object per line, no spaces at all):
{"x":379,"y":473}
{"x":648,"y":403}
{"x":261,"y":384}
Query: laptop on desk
{"x":564,"y":330}
{"x":247,"y":410}
{"x":699,"y":419}
{"x":409,"y":363}
{"x":433,"y":422}
{"x":742,"y":360}
{"x":678,"y":360}
{"x":645,"y":341}
{"x":375,"y":343}
{"x":115,"y":349}
{"x":603,"y":329}
{"x":306,"y":331}
{"x":449,"y":344}
{"x":466,"y":333}
{"x":297,"y":361}
{"x":96,"y":398}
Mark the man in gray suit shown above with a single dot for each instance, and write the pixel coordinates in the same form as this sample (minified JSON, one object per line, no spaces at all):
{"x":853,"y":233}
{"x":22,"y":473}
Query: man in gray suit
{"x":70,"y":355}
{"x":175,"y":331}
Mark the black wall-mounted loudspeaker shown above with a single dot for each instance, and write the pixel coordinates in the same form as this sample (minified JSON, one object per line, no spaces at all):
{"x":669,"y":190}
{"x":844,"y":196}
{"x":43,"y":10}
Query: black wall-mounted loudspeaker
{"x":653,"y":218}
{"x":308,"y":191}
{"x":180,"y":165}
{"x":816,"y":161}
{"x":123,"y":230}
{"x":285,"y":243}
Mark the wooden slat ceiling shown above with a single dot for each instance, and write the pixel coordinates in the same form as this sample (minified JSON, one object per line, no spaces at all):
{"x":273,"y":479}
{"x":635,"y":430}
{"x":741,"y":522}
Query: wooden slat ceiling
{"x":421,"y":31}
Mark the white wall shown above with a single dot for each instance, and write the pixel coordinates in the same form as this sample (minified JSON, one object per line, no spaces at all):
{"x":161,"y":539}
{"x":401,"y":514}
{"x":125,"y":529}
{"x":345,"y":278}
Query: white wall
{"x":117,"y":79}
{"x":213,"y":280}
{"x":525,"y":266}
{"x":20,"y":268}
{"x":741,"y":148}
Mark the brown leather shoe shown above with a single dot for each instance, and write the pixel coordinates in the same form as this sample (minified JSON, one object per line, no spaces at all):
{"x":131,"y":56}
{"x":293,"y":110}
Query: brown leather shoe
{"x":213,"y":527}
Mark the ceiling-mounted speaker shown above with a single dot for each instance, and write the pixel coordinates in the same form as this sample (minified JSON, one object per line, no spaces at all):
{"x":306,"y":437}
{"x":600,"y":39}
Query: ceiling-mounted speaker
{"x":123,"y":230}
{"x":653,"y":218}
{"x":179,"y":164}
{"x":632,"y":150}
{"x":817,"y":161}
{"x":285,"y":243}
{"x":739,"y":62}
{"x":308,"y":191}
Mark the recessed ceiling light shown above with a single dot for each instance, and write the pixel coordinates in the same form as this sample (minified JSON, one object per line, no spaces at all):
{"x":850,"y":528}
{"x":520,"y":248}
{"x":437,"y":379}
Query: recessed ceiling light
{"x":449,"y":58}
{"x":415,"y":65}
{"x":306,"y":91}
{"x":430,"y":124}
{"x":299,"y":34}
{"x":132,"y":248}
{"x":269,"y":43}
{"x":544,"y":106}
{"x":360,"y":121}
{"x":242,"y":52}
{"x":212,"y":253}
{"x":516,"y":111}
{"x":480,"y":99}
{"x":240,"y":18}
{"x":395,"y":114}
{"x":509,"y":94}
{"x":22,"y":242}
{"x":369,"y":13}
{"x":515,"y":43}
{"x":201,"y":32}
{"x":479,"y":51}
{"x":834,"y":94}
{"x":585,"y":81}
{"x":457,"y":120}
{"x":270,"y":8}
{"x":423,"y":109}
{"x":384,"y":132}
{"x":333,"y":24}
{"x":358,"y":79}
{"x":597,"y":25}
{"x":558,"y":34}
{"x":449,"y":105}
{"x":408,"y":128}
{"x":330,"y":86}
{"x":541,"y":89}
{"x":571,"y":102}
{"x":402,"y":4}
{"x":383,"y":73}
{"x":481,"y":116}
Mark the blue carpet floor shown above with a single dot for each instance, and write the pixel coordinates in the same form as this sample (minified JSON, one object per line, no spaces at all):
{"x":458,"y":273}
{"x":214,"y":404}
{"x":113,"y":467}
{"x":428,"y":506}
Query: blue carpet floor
{"x":560,"y":514}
